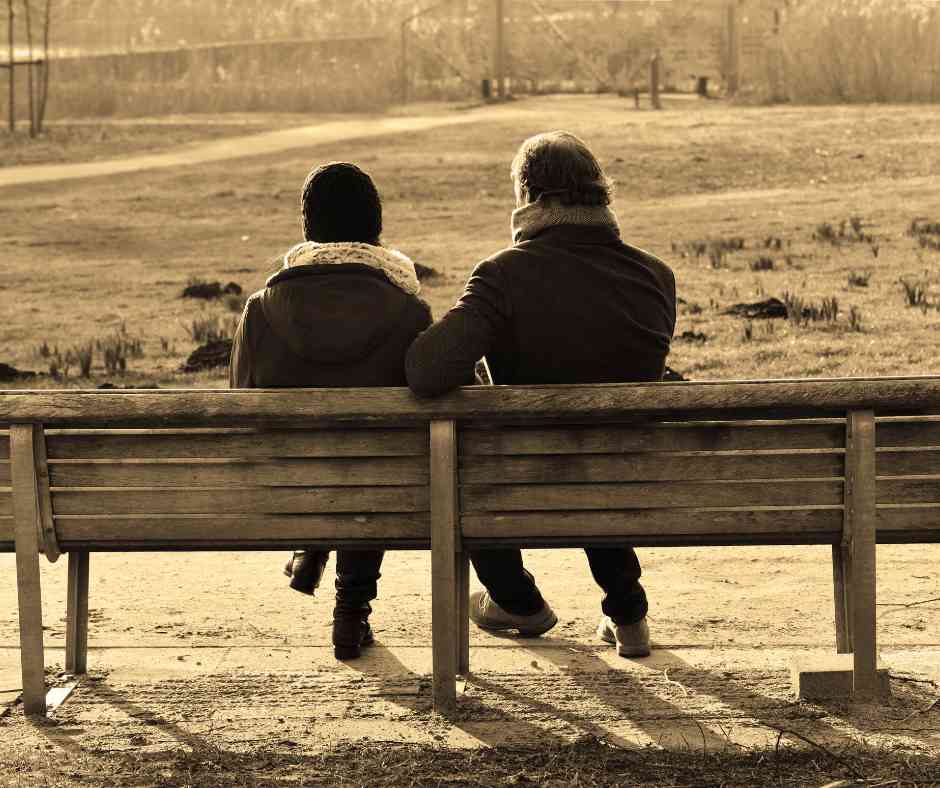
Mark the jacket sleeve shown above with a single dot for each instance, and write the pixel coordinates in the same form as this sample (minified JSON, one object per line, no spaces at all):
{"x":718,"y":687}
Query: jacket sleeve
{"x":239,"y":370}
{"x":443,"y":357}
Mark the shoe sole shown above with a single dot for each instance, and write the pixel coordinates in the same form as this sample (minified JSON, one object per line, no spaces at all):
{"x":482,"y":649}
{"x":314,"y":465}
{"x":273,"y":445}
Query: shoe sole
{"x":300,"y":589}
{"x":532,"y":632}
{"x":638,"y":651}
{"x":351,"y":652}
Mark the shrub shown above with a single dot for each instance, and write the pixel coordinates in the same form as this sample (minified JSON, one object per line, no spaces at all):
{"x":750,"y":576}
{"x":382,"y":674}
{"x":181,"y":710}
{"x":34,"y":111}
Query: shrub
{"x":859,"y":279}
{"x":855,"y":319}
{"x":207,"y":328}
{"x":762,"y":263}
{"x":83,"y":355}
{"x":915,"y":292}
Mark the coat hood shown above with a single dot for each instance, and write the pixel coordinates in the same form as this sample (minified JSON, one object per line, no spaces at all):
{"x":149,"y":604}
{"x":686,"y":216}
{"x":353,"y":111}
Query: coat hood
{"x":310,"y":303}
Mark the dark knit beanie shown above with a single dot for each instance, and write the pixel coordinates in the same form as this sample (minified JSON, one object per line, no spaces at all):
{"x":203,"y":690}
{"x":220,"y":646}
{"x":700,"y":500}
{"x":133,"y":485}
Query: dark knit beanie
{"x":340,"y":203}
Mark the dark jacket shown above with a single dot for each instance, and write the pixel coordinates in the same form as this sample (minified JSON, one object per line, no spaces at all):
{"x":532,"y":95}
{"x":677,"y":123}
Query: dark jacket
{"x":572,"y":305}
{"x":326,"y":326}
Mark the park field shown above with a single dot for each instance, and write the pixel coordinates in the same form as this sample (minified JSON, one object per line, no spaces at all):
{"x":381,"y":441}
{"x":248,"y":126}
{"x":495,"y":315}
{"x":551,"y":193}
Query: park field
{"x":206,"y":670}
{"x":810,"y":205}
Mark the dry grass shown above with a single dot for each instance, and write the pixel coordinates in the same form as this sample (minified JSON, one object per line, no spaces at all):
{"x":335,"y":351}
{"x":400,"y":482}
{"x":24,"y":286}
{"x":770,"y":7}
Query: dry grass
{"x":847,"y":50}
{"x":585,"y":764}
{"x":88,"y":255}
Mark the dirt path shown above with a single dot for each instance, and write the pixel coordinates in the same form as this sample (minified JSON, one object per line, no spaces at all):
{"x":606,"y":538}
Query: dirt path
{"x":248,"y":145}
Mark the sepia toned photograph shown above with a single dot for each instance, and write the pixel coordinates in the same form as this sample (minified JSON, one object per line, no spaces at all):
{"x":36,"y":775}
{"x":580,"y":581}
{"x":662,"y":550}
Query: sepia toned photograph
{"x":470,"y":393}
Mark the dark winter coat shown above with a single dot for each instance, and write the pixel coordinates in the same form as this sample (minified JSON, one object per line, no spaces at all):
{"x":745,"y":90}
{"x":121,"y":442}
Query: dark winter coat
{"x":574,"y":304}
{"x":331,"y":325}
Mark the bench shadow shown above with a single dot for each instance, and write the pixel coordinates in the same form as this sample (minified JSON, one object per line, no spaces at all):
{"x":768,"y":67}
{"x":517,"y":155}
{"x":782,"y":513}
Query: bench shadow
{"x":490,"y":725}
{"x":63,"y":735}
{"x":671,"y":726}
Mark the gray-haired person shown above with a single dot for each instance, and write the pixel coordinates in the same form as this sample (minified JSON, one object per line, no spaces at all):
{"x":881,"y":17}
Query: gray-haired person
{"x":568,"y":302}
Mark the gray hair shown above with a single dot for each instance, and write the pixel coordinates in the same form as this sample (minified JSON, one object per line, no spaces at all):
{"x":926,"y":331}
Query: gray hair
{"x":561,"y":165}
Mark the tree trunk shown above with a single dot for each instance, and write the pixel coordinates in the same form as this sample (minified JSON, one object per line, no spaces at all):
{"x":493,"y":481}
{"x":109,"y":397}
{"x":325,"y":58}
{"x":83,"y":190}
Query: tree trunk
{"x":44,"y":84}
{"x":12,"y":69}
{"x":29,"y":68}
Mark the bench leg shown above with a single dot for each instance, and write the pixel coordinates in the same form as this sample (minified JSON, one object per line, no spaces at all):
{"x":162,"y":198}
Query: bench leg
{"x":841,"y":584}
{"x":445,"y":560}
{"x":860,"y":483}
{"x":76,"y":640}
{"x":29,"y":589}
{"x":463,"y":612}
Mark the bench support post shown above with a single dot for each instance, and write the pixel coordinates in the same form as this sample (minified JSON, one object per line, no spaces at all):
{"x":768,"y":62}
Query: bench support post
{"x":861,"y":513}
{"x":29,"y":591}
{"x":76,"y":638}
{"x":445,"y":574}
{"x":463,"y":612}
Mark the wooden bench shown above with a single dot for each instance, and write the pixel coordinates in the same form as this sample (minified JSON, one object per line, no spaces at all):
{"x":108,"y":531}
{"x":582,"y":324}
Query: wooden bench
{"x":738,"y":463}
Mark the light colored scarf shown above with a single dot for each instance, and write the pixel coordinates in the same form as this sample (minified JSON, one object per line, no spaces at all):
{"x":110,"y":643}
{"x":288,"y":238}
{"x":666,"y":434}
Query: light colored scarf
{"x":531,"y":219}
{"x":398,"y":269}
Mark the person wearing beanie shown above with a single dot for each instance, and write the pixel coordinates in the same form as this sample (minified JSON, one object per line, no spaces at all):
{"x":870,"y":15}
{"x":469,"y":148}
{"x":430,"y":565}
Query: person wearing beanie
{"x":568,"y":302}
{"x":341,"y":312}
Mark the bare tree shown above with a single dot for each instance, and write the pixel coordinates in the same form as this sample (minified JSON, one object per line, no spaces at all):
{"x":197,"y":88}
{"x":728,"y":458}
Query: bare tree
{"x":44,"y":82}
{"x":11,"y":16}
{"x":28,"y":18}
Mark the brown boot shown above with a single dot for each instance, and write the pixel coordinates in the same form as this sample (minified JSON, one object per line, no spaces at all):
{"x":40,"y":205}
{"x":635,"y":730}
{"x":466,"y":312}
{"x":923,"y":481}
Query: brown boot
{"x":305,"y":569}
{"x":351,"y":632}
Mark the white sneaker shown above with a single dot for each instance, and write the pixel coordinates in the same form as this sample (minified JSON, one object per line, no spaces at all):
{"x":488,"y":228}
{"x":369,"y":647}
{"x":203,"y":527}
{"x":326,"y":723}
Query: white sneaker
{"x":632,"y":640}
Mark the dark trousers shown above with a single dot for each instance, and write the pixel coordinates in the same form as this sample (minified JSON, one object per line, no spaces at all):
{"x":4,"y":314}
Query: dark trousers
{"x":357,"y":574}
{"x":616,"y":570}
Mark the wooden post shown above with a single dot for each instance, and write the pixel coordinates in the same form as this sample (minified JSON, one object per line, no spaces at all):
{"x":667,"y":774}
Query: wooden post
{"x":49,"y":542}
{"x":463,"y":612}
{"x":860,"y":466}
{"x":76,"y":627}
{"x":12,"y":68}
{"x":445,"y":627}
{"x":499,"y":44}
{"x":841,"y":583}
{"x":733,"y":49}
{"x":655,"y":103}
{"x":29,"y":589}
{"x":404,"y":62}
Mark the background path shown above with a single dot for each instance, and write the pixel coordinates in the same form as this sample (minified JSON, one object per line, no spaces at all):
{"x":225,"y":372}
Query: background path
{"x":250,"y":145}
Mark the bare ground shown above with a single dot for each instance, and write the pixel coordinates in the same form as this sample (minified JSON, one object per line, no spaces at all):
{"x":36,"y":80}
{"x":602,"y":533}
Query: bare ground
{"x":208,"y":671}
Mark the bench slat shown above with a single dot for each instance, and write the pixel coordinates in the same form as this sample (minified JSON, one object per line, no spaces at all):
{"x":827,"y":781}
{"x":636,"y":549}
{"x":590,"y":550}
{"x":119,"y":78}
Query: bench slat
{"x":5,"y":474}
{"x":651,"y":522}
{"x":902,"y":491}
{"x":4,"y":444}
{"x":272,"y":530}
{"x":565,"y":497}
{"x":909,"y":523}
{"x":900,"y":433}
{"x":6,"y":503}
{"x":6,"y":532}
{"x":616,"y":438}
{"x":907,"y":463}
{"x":647,"y":467}
{"x":346,"y":471}
{"x":284,"y":500}
{"x":235,"y":444}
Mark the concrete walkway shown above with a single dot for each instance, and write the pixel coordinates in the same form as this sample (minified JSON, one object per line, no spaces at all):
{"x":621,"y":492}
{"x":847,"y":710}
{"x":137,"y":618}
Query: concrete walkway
{"x":248,"y":145}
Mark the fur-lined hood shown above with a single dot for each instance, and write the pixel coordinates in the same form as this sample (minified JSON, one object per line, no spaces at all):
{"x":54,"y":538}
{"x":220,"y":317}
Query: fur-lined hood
{"x":396,"y":267}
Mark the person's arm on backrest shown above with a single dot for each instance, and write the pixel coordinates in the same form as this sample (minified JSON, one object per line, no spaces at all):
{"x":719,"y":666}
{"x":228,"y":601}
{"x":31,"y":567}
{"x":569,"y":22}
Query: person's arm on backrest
{"x":443,"y":357}
{"x":239,"y":370}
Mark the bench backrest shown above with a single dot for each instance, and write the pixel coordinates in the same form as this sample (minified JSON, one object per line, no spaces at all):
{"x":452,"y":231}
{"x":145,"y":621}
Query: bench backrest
{"x":541,"y":466}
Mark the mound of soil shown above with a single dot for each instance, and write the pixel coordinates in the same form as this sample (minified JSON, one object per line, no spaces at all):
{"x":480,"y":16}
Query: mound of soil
{"x":8,"y":373}
{"x":209,"y":291}
{"x":426,"y":272}
{"x":759,"y":310}
{"x":212,"y":355}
